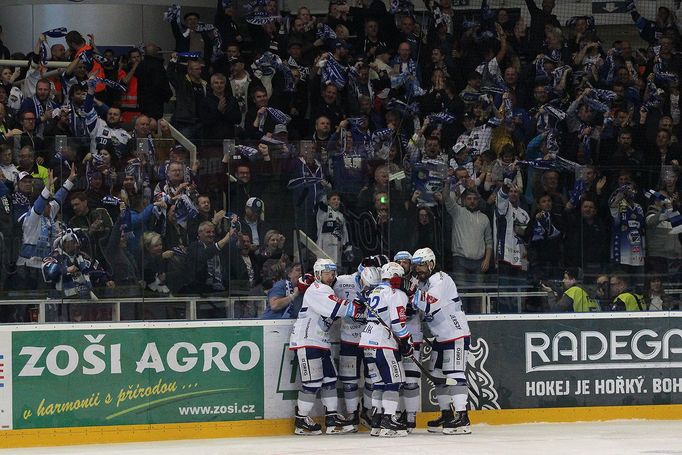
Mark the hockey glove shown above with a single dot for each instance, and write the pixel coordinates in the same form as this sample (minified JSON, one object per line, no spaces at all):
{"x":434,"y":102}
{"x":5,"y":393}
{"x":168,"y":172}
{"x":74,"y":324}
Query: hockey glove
{"x":304,"y":282}
{"x":406,"y":348}
{"x":358,"y":311}
{"x":410,"y":310}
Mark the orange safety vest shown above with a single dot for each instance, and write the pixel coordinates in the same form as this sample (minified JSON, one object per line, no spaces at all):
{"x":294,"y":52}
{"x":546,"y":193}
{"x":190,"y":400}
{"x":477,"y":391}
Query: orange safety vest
{"x":129,"y":98}
{"x":96,"y":67}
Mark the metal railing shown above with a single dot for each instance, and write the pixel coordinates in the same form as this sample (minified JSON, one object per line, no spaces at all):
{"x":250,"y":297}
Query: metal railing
{"x":229,"y":304}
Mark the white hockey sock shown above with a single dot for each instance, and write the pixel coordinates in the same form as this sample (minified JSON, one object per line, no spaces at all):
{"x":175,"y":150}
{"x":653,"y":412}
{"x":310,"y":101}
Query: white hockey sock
{"x":376,"y":398}
{"x":411,"y":397}
{"x":367,"y":396}
{"x":460,"y":398}
{"x":389,"y":401}
{"x":443,"y":397}
{"x":351,"y":399}
{"x":306,"y":401}
{"x":329,"y":398}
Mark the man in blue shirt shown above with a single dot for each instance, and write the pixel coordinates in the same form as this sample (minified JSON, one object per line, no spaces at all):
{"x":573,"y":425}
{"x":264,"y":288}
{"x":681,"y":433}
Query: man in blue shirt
{"x":284,"y":299}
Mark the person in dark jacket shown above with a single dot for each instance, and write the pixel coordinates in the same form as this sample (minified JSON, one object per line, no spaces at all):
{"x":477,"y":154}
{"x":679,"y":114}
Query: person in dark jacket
{"x":153,"y":87}
{"x":188,"y":38}
{"x":219,"y":112}
{"x":190,"y":90}
{"x":587,"y":239}
{"x":206,"y":263}
{"x":539,"y":19}
{"x":224,"y":22}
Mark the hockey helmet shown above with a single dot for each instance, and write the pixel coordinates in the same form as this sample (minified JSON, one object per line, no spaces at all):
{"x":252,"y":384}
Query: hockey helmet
{"x":424,"y":256}
{"x":323,"y":265}
{"x":391,"y":269}
{"x":370,"y":277}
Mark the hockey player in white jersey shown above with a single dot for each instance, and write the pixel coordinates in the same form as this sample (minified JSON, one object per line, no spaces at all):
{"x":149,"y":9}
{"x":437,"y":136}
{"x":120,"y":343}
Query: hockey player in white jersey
{"x":349,"y":287}
{"x":410,"y":391}
{"x":438,"y":300}
{"x":385,"y":340}
{"x":310,"y":341}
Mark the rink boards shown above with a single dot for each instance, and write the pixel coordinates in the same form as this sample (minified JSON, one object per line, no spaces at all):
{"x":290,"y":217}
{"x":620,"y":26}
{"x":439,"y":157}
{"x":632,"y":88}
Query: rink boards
{"x":101,"y":382}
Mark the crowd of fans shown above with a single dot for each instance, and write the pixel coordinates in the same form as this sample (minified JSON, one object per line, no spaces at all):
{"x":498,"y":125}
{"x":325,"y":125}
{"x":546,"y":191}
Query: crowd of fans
{"x":522,"y":151}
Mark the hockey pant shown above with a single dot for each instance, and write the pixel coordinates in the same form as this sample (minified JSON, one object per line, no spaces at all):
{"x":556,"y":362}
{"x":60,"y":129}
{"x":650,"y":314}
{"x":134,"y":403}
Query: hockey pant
{"x":317,"y":373}
{"x":350,"y":362}
{"x":410,"y":389}
{"x":449,"y":360}
{"x":385,"y":370}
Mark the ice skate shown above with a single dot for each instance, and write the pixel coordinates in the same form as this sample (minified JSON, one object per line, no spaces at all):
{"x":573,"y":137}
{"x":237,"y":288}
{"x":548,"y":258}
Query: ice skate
{"x":375,"y":422}
{"x":337,"y":424}
{"x":391,"y":427}
{"x":305,"y":426}
{"x":366,"y":418}
{"x":436,"y":426}
{"x":458,"y":424}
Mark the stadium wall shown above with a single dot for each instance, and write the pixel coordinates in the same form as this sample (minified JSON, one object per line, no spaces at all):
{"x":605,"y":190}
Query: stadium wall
{"x":102,"y":383}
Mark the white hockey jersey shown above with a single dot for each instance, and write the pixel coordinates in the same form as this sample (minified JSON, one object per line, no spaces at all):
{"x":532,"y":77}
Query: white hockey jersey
{"x":347,"y":287}
{"x":509,"y":246}
{"x":320,"y":308}
{"x":439,"y":300}
{"x":332,"y":232}
{"x":102,"y":136}
{"x":414,"y":321}
{"x":389,"y":304}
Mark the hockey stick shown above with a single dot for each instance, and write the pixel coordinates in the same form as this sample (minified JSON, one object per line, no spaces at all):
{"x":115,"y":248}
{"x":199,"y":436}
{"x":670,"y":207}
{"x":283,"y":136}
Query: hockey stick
{"x":427,"y":373}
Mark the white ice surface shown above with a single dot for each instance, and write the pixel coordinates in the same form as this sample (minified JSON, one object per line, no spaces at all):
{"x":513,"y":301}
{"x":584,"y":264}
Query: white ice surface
{"x":600,"y":438}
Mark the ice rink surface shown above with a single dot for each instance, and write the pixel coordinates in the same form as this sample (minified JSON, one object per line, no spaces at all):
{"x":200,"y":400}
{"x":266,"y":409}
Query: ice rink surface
{"x":602,"y":438}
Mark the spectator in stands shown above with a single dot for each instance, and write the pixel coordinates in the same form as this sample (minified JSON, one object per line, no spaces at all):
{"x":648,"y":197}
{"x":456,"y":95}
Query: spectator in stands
{"x":8,"y":170}
{"x":190,"y":38}
{"x":472,"y":239}
{"x":628,"y":247}
{"x":332,"y":229}
{"x":190,"y":90}
{"x":219,"y":112}
{"x":205,"y":213}
{"x":253,"y":223}
{"x":126,"y":75}
{"x":243,"y":266}
{"x":155,"y":263}
{"x":153,"y":87}
{"x":7,"y":132}
{"x":663,"y":250}
{"x":206,"y":262}
{"x":39,"y":232}
{"x":284,"y":298}
{"x":587,"y":240}
{"x":29,"y":135}
{"x":40,"y":106}
{"x":94,"y":222}
{"x":656,"y":297}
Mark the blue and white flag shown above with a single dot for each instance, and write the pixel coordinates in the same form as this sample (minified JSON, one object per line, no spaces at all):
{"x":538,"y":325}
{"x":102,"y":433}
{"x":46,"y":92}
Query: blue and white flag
{"x":324,"y":32}
{"x":411,"y":109}
{"x":279,"y":116}
{"x":442,"y":117}
{"x":246,"y":151}
{"x":334,"y":73}
{"x":185,"y":210}
{"x":261,"y":18}
{"x":191,"y":55}
{"x":172,"y":14}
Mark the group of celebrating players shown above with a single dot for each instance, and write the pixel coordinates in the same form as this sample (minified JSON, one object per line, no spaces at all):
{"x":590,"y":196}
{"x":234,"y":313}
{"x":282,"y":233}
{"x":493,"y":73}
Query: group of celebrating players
{"x":381,"y":308}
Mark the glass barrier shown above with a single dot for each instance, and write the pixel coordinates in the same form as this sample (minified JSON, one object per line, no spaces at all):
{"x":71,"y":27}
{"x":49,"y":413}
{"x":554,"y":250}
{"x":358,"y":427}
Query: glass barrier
{"x":224,"y":229}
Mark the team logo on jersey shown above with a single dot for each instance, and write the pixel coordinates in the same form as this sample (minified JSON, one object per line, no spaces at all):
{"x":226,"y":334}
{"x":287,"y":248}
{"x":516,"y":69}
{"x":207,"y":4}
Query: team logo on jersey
{"x":401,"y":314}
